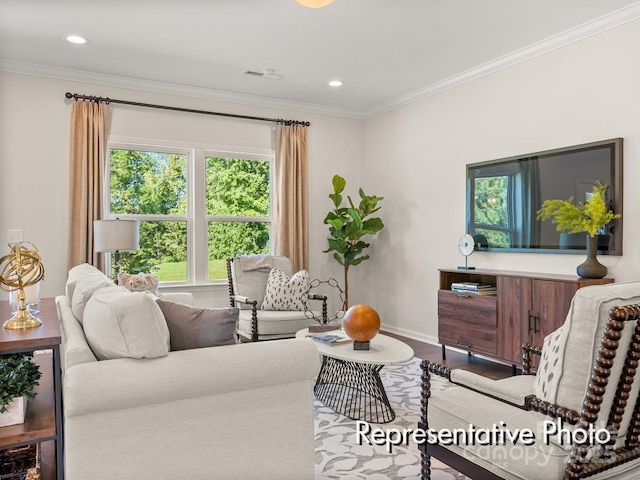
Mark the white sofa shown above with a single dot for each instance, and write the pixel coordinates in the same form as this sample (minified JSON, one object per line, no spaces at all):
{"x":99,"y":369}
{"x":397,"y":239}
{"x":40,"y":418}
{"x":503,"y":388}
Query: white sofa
{"x":240,"y":411}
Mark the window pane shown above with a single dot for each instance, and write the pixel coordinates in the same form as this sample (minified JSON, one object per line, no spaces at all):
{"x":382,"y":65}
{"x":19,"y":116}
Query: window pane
{"x":237,"y":187}
{"x":147,"y":182}
{"x":227,"y":239}
{"x":163,"y":252}
{"x":491,"y":195}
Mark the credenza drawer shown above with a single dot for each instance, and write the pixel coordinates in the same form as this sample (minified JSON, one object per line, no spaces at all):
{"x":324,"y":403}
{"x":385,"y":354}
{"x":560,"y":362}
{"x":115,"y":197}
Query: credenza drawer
{"x":474,"y":309}
{"x":474,"y":337}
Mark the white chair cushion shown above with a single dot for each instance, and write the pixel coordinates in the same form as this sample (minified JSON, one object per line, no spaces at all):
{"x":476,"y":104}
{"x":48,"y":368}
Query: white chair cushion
{"x":513,"y":389}
{"x":276,"y":322}
{"x":123,"y":324}
{"x":578,"y":347}
{"x":284,"y":293}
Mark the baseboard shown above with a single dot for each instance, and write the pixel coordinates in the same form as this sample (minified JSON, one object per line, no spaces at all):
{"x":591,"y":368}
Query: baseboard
{"x":410,"y":334}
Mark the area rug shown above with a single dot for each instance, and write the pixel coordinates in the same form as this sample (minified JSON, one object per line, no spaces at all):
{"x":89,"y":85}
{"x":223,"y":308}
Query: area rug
{"x":338,"y":455}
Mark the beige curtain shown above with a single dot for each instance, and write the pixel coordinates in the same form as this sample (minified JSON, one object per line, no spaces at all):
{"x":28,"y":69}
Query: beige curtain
{"x":291,"y":209}
{"x":87,"y":153}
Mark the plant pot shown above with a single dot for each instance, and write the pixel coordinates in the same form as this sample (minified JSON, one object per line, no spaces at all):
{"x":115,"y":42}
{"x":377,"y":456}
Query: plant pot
{"x":592,"y":268}
{"x":15,"y":412}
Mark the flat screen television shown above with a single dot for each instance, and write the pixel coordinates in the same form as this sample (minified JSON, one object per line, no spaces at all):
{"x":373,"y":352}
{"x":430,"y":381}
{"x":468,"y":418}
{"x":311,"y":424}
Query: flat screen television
{"x":504,"y":196}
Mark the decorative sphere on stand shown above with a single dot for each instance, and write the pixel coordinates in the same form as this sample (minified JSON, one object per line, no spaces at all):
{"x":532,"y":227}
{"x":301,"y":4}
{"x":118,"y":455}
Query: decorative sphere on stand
{"x":361,"y":323}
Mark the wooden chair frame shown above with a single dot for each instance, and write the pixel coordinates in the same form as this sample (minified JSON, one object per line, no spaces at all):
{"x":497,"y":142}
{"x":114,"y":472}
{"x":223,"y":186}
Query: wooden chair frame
{"x":234,"y":299}
{"x":578,"y":466}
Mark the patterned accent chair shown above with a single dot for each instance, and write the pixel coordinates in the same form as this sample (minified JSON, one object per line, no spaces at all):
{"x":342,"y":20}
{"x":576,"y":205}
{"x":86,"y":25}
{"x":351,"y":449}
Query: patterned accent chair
{"x":247,"y":277}
{"x":582,"y":406}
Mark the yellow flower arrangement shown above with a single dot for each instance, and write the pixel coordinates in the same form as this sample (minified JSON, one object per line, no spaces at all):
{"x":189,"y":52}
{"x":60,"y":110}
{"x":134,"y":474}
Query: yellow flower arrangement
{"x":588,"y":217}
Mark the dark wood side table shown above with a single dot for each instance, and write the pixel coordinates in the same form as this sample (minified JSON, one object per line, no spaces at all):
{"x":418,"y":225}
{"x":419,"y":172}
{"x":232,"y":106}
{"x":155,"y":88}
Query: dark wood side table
{"x":43,"y":423}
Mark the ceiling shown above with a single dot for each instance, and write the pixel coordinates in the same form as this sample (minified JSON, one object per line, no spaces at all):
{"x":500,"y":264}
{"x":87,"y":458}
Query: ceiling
{"x":387,"y":52}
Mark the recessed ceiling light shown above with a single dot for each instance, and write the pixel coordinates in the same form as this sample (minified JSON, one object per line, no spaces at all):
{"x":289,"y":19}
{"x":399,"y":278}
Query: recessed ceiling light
{"x":76,"y":39}
{"x":336,"y":83}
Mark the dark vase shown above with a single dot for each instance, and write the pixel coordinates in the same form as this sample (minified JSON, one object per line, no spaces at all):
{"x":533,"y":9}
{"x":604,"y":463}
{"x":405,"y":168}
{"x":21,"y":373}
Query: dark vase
{"x":592,"y":268}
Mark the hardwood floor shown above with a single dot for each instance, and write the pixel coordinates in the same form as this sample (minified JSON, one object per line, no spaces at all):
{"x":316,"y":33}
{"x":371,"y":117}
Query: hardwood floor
{"x":479,"y":365}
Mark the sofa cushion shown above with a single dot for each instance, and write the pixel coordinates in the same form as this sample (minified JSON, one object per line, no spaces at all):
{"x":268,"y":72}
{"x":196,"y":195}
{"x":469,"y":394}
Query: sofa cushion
{"x":123,"y":324}
{"x":286,"y":294}
{"x":74,"y":275}
{"x":192,"y":327}
{"x":84,"y":287}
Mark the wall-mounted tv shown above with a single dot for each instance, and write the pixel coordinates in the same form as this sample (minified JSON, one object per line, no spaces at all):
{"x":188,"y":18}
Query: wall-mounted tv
{"x":504,"y":196}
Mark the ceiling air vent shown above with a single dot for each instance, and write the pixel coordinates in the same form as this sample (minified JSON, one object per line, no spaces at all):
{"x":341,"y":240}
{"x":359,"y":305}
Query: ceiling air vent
{"x":267,"y":73}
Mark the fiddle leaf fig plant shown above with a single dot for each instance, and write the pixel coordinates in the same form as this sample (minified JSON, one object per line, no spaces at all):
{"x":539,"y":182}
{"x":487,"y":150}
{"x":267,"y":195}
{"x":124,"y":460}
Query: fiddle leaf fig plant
{"x":19,"y":376}
{"x":590,"y":217}
{"x":347,"y":227}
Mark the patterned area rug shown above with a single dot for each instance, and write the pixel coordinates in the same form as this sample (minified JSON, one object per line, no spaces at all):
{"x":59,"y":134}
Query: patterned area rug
{"x":338,"y":455}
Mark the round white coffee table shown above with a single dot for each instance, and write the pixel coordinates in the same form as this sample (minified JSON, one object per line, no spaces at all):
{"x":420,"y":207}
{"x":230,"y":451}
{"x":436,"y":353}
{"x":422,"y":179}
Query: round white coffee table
{"x":349,"y":380}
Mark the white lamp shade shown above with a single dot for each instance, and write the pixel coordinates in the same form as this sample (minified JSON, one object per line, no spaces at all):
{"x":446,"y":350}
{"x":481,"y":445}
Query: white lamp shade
{"x":116,"y":235}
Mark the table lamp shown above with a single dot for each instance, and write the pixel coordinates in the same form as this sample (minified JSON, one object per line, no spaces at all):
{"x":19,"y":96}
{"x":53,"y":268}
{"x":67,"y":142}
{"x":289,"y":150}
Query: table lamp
{"x":116,"y":236}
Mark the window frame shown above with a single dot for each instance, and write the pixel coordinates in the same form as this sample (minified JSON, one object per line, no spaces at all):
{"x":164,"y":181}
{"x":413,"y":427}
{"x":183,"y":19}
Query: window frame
{"x":196,"y":218}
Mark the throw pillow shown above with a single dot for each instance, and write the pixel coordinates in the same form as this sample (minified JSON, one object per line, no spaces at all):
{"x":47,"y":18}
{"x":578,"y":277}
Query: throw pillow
{"x":123,"y":324}
{"x":141,"y":282}
{"x":191,"y":327}
{"x":286,"y":294}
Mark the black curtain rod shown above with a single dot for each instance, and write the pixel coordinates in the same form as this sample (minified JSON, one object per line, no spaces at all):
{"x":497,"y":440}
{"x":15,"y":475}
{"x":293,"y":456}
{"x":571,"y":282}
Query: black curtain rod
{"x":108,"y":100}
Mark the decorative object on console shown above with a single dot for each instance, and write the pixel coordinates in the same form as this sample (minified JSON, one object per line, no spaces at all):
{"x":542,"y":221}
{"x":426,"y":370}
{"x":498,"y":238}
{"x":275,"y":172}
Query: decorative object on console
{"x":116,"y":236}
{"x":591,"y":217}
{"x":21,"y":268}
{"x":19,"y":376}
{"x":347,"y":227}
{"x":466,"y":246}
{"x":361,"y":323}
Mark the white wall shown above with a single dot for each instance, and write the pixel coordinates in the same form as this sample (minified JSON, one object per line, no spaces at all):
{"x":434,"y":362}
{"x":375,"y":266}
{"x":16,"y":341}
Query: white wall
{"x":415,"y":156}
{"x":34,"y":138}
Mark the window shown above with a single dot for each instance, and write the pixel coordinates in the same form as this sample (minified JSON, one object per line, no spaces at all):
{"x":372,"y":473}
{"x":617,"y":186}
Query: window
{"x":196,"y":207}
{"x":238,"y":209}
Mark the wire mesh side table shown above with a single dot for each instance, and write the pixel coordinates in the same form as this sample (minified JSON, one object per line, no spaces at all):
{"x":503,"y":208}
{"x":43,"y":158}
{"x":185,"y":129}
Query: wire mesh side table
{"x":349,"y":380}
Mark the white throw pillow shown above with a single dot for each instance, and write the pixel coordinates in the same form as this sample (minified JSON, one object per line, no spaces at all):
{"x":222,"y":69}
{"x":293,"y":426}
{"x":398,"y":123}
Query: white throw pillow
{"x":286,"y":294}
{"x":139,"y":282}
{"x":85,"y":287}
{"x":123,"y":324}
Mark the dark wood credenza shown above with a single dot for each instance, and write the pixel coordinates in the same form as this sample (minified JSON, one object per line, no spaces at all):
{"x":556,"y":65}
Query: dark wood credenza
{"x":43,"y":422}
{"x":526,"y":308}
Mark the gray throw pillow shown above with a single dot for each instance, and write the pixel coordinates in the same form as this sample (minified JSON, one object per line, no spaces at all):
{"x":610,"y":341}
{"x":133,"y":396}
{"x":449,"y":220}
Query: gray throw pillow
{"x":192,"y":327}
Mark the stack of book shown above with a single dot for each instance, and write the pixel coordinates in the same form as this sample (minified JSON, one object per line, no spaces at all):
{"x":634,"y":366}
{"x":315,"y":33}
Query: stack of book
{"x":474,"y":288}
{"x":331,"y":338}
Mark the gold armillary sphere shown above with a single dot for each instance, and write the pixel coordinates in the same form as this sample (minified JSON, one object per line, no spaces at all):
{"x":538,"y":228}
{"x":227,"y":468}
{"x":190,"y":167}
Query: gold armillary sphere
{"x":21,"y":268}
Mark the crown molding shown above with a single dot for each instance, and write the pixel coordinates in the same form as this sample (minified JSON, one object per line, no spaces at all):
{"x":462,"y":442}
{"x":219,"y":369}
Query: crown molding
{"x":170,"y":88}
{"x":573,"y":35}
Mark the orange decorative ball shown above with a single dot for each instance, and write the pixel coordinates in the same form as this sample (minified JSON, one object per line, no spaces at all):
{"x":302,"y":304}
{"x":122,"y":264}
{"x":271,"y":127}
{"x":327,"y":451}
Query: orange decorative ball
{"x":361,"y":323}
